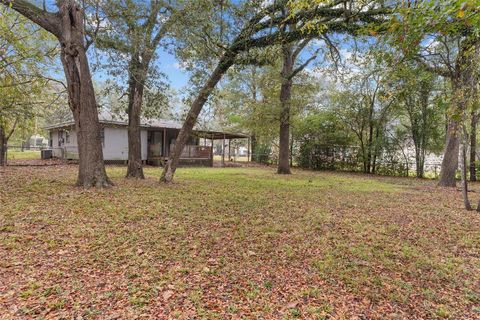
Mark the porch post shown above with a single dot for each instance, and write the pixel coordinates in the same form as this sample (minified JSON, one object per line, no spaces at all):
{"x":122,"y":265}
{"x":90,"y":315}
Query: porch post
{"x":248,"y":149}
{"x":223,"y":151}
{"x":236,"y":151}
{"x":229,"y":150}
{"x":164,"y":142}
{"x":211,"y":150}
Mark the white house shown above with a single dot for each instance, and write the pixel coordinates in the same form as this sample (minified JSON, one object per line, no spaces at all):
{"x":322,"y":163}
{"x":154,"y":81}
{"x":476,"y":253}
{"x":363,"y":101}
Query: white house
{"x":157,"y":141}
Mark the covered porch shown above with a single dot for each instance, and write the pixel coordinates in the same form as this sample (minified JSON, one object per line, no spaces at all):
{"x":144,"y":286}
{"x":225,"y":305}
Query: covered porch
{"x":197,"y":152}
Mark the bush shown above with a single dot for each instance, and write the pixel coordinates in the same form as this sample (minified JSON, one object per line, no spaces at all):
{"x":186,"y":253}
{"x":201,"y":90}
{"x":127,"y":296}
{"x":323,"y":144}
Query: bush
{"x":316,"y":156}
{"x":262,"y":154}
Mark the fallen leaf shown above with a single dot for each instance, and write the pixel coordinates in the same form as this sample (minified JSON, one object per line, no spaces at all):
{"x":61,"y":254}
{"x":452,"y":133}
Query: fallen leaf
{"x":167,"y":294}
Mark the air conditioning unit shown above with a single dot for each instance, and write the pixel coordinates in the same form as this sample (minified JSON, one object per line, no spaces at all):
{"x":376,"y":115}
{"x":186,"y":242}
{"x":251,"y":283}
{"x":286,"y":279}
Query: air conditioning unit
{"x":46,"y":153}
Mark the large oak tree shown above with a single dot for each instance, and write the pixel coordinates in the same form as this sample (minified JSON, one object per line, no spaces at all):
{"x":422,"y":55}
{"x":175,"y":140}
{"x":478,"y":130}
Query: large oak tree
{"x":290,"y":55}
{"x":67,"y":25}
{"x":135,"y":30}
{"x":441,"y":35}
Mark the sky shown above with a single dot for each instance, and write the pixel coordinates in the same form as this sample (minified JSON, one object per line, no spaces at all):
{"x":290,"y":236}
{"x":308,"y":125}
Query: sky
{"x":177,"y":77}
{"x":168,"y":64}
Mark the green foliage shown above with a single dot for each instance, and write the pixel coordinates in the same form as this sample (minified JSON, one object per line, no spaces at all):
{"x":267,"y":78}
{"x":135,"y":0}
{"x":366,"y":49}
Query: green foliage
{"x":322,"y":127}
{"x":443,"y":36}
{"x":420,"y":106}
{"x":25,"y":51}
{"x":316,"y":134}
{"x":262,"y":153}
{"x":249,"y":101}
{"x":129,"y":37}
{"x":365,"y":106}
{"x":375,"y":118}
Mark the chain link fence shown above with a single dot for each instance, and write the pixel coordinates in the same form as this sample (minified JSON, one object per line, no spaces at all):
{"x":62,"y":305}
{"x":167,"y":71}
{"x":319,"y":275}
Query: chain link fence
{"x":24,"y":154}
{"x":334,"y":158}
{"x":347,"y":158}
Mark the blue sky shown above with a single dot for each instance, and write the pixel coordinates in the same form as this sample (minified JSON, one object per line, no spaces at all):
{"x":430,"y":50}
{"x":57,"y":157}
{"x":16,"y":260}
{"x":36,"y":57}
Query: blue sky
{"x":177,"y":77}
{"x":167,"y":63}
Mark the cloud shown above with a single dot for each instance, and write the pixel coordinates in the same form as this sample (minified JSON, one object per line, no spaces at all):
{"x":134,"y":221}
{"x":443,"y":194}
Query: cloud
{"x":179,"y":66}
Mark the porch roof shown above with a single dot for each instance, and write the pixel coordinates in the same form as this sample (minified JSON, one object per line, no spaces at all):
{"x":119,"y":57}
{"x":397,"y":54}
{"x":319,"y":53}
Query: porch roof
{"x":216,"y":135}
{"x":158,"y":124}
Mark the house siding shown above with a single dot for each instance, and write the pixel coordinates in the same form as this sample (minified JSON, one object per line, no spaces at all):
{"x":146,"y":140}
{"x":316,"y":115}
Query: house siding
{"x":65,"y":149}
{"x":56,"y":152}
{"x":144,"y":140}
{"x":116,"y":144}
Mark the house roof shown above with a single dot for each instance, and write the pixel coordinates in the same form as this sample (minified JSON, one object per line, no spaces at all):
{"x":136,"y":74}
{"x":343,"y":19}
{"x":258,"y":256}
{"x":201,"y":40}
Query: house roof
{"x":107,"y":119}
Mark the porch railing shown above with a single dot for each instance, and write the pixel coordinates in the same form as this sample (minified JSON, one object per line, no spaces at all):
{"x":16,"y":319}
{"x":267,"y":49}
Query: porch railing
{"x":194,"y":152}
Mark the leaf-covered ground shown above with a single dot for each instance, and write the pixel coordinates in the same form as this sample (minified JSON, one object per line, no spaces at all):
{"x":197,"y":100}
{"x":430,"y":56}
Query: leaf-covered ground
{"x":235,"y":243}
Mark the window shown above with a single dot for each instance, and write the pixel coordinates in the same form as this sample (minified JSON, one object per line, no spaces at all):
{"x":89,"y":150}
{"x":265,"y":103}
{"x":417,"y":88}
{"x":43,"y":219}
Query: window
{"x":67,"y":137}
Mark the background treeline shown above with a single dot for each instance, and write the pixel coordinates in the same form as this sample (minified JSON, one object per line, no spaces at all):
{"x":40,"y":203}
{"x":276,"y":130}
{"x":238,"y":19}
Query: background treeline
{"x":367,"y":114}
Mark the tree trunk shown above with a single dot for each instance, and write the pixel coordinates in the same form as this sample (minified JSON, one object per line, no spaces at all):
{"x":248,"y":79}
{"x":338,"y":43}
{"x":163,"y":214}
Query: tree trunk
{"x":253,"y":148}
{"x":291,"y":150}
{"x":137,"y":75}
{"x":285,"y":100}
{"x":463,"y":83}
{"x":253,"y":90}
{"x":450,"y":156}
{"x":418,"y":137}
{"x":463,"y":168}
{"x":420,"y":132}
{"x":419,"y":161}
{"x":364,"y":157}
{"x":3,"y":147}
{"x":134,"y":169}
{"x":375,"y":151}
{"x":473,"y":147}
{"x":81,"y":96}
{"x":223,"y":65}
{"x":370,"y":143}
{"x":452,"y":144}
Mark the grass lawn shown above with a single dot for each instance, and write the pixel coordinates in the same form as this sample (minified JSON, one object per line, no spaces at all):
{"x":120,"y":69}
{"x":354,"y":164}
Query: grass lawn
{"x":235,"y":243}
{"x":237,"y":159}
{"x":23,"y":155}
